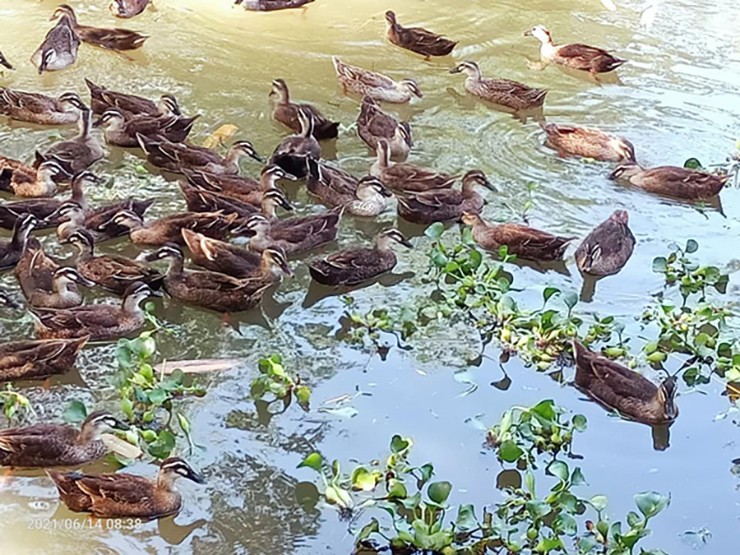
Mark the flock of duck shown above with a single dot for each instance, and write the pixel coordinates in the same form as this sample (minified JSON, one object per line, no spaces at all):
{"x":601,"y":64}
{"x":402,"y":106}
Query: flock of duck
{"x":223,"y":203}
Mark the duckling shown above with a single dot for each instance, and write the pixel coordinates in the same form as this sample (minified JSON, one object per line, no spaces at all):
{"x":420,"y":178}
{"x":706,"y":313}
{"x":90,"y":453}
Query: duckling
{"x":218,"y":256}
{"x":112,"y":272}
{"x":11,"y":251}
{"x":199,"y":200}
{"x":168,"y":229}
{"x":237,"y":187}
{"x":444,"y":204}
{"x":286,"y":112}
{"x":356,"y":265}
{"x":101,"y":99}
{"x":217,"y":291}
{"x":373,"y":124}
{"x":121,"y":131}
{"x":44,"y":445}
{"x":504,"y":92}
{"x":336,"y":188}
{"x":293,"y":235}
{"x":25,"y":181}
{"x":101,"y":322}
{"x":672,"y":181}
{"x":110,"y":39}
{"x":407,"y":177}
{"x":39,"y":108}
{"x":292,"y":152}
{"x":59,"y":48}
{"x":5,"y":63}
{"x":125,"y":495}
{"x":606,"y":250}
{"x":271,"y":5}
{"x":78,"y":154}
{"x":576,"y":56}
{"x":416,"y":39}
{"x":377,"y":86}
{"x":571,"y":140}
{"x":23,"y":360}
{"x":523,"y":241}
{"x":629,"y":393}
{"x":127,"y":8}
{"x":176,"y":157}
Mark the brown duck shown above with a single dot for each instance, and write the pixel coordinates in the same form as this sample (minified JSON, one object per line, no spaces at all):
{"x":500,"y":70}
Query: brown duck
{"x":286,"y":112}
{"x":572,"y":140}
{"x":126,"y":9}
{"x":672,"y":181}
{"x":374,"y":125}
{"x":523,"y":241}
{"x":59,"y":48}
{"x":292,"y":152}
{"x":110,"y":39}
{"x":293,"y":235}
{"x":44,"y":445}
{"x":199,"y":200}
{"x":120,"y":130}
{"x":241,"y":188}
{"x":39,"y":108}
{"x":606,"y":250}
{"x":25,"y":181}
{"x":417,"y":39}
{"x":405,"y":177}
{"x":335,"y":187}
{"x":219,"y":256}
{"x":630,"y":394}
{"x":24,"y":360}
{"x":169,"y":228}
{"x":504,"y":92}
{"x":102,"y":99}
{"x":125,"y":495}
{"x":12,"y":251}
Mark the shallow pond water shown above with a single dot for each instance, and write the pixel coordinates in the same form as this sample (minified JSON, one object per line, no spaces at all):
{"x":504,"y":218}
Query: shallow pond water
{"x":677,"y":98}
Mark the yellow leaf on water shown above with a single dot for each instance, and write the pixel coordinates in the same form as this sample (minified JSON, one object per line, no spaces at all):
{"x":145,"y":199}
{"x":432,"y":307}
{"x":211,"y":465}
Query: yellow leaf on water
{"x":221,"y":136}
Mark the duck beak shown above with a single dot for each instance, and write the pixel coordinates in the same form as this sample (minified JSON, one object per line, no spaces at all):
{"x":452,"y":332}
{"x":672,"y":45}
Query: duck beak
{"x":5,"y":63}
{"x":289,"y":176}
{"x":406,"y":243}
{"x":385,"y":191}
{"x":488,"y":185}
{"x":121,"y":426}
{"x":195,"y":477}
{"x":285,"y":268}
{"x":528,"y":33}
{"x":98,"y":122}
{"x":456,"y":69}
{"x":82,"y":280}
{"x":286,"y":205}
{"x":257,"y":157}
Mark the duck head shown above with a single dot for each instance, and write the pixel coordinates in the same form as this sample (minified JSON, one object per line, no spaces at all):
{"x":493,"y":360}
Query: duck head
{"x":539,"y":32}
{"x":411,"y":86}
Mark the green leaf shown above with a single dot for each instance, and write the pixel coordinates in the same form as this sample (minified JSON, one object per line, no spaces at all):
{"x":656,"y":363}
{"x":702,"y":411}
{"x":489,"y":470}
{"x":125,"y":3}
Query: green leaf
{"x":337,"y":496}
{"x":368,"y":530}
{"x":399,"y":444}
{"x":570,"y":298}
{"x":692,"y":164}
{"x":549,"y":292}
{"x":75,"y":412}
{"x":439,"y":492}
{"x":163,"y":446}
{"x":546,"y":410}
{"x":691,"y":246}
{"x":651,"y":503}
{"x":303,"y":396}
{"x":427,"y":471}
{"x":579,"y":423}
{"x":577,"y":478}
{"x":362,"y":479}
{"x":184,"y":423}
{"x":566,"y":524}
{"x":660,"y":265}
{"x":396,"y":489}
{"x":599,"y":502}
{"x":157,"y":396}
{"x":435,"y":230}
{"x":509,"y":451}
{"x":538,"y":509}
{"x":313,"y":460}
{"x":559,"y":469}
{"x":466,"y":518}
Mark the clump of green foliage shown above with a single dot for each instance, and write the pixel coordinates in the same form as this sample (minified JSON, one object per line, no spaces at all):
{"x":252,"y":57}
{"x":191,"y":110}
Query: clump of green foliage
{"x":274,"y":381}
{"x":15,"y":406}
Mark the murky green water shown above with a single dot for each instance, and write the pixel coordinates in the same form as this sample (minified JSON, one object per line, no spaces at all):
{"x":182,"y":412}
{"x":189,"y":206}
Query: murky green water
{"x":677,"y":98}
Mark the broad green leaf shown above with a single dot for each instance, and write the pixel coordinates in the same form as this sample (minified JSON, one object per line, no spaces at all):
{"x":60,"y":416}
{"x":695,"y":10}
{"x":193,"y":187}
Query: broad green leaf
{"x":691,"y":246}
{"x":399,"y":444}
{"x":362,"y":479}
{"x":559,"y":469}
{"x":435,"y":230}
{"x":577,"y":478}
{"x":75,"y":412}
{"x":368,"y":530}
{"x":660,"y":264}
{"x":570,"y":298}
{"x":545,"y":409}
{"x":566,"y":524}
{"x":396,"y":489}
{"x":313,"y":460}
{"x":538,"y":509}
{"x":163,"y":446}
{"x":692,"y":164}
{"x":466,"y":518}
{"x":439,"y":492}
{"x":509,"y":451}
{"x":579,"y":423}
{"x":651,"y":503}
{"x":599,"y":502}
{"x":549,"y":292}
{"x":303,"y":396}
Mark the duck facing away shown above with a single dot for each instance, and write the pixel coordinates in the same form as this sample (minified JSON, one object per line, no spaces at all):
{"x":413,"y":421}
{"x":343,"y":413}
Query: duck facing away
{"x":24,"y":360}
{"x":45,"y":445}
{"x":523,"y":241}
{"x":377,"y":86}
{"x":39,"y":108}
{"x":504,"y":92}
{"x":417,"y":39}
{"x":126,"y":9}
{"x":110,"y":39}
{"x":405,"y":177}
{"x":572,"y":140}
{"x":292,"y":152}
{"x":606,"y":250}
{"x":682,"y":183}
{"x":629,"y":393}
{"x":176,"y":157}
{"x":125,"y":495}
{"x":120,"y":130}
{"x":576,"y":56}
{"x":99,"y":322}
{"x":444,"y":204}
{"x":336,"y":188}
{"x":59,"y":48}
{"x":356,"y":265}
{"x":374,"y":125}
{"x":286,"y":112}
{"x":102,"y":99}
{"x":11,"y":251}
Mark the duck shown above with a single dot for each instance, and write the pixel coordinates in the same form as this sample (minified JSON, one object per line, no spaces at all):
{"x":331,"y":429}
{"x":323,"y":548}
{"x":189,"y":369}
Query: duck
{"x":110,"y":39}
{"x":292,"y":152}
{"x":127,"y":9}
{"x":5,"y":63}
{"x":238,"y":187}
{"x":97,"y":222}
{"x":405,"y":177}
{"x":416,"y":39}
{"x":444,"y":204}
{"x":359,"y":264}
{"x":293,"y":235}
{"x":199,"y":200}
{"x":219,"y":256}
{"x":606,"y":250}
{"x":119,"y":130}
{"x":59,"y":48}
{"x":39,"y":108}
{"x":46,"y":210}
{"x":377,"y":86}
{"x":271,"y":5}
{"x":101,"y":322}
{"x":286,"y":112}
{"x":682,"y":183}
{"x":38,"y":359}
{"x":112,"y":272}
{"x":373,"y":124}
{"x":47,"y":445}
{"x":175,"y":157}
{"x":504,"y":92}
{"x":124,"y":495}
{"x":11,"y":251}
{"x":217,"y":291}
{"x":520,"y":240}
{"x":336,"y":188}
{"x":78,"y":154}
{"x":576,"y":56}
{"x":587,"y":142}
{"x":29,"y":182}
{"x":102,"y":99}
{"x":629,"y":393}
{"x":168,"y":229}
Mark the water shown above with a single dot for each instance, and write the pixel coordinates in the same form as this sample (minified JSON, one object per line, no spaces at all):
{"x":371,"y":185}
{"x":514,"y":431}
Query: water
{"x":677,"y":98}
